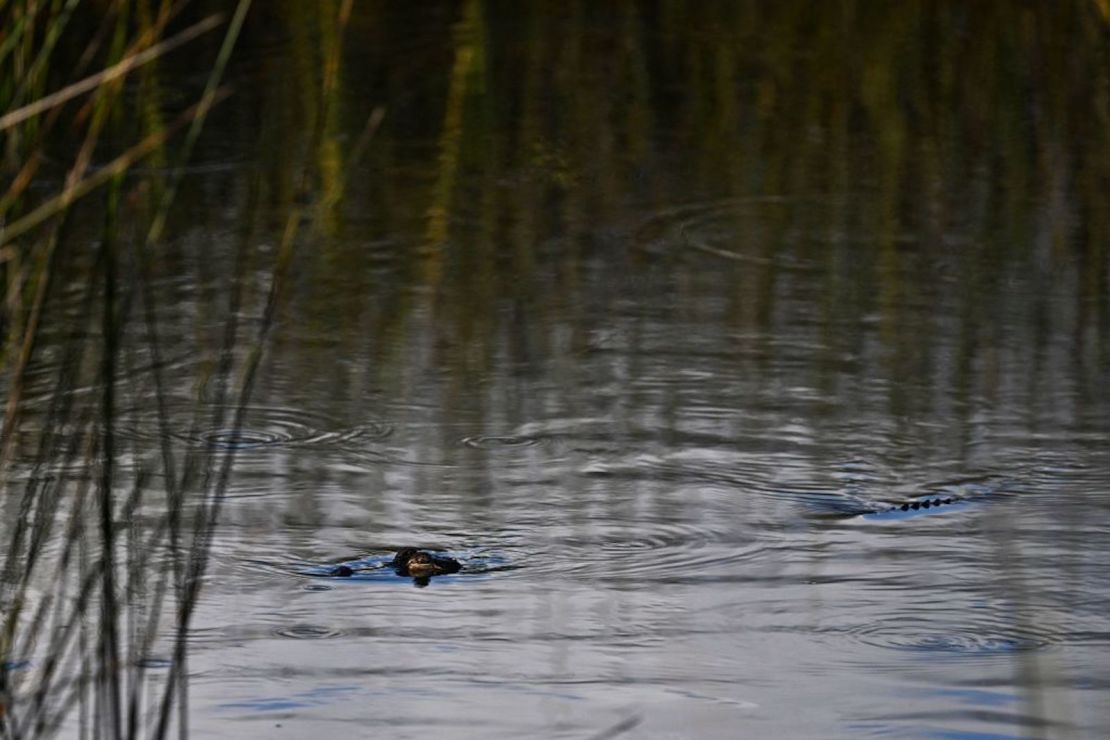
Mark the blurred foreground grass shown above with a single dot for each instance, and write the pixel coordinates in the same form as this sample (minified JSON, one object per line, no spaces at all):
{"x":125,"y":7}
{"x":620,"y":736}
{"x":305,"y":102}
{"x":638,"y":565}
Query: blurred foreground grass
{"x":103,"y":570}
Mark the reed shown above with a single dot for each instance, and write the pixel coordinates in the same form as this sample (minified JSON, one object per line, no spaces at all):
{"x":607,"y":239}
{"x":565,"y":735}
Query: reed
{"x":136,"y":538}
{"x":88,"y":615}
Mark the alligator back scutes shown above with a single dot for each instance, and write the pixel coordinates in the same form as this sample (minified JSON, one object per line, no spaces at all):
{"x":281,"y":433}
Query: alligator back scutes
{"x":945,"y":497}
{"x":916,"y":508}
{"x":916,"y":505}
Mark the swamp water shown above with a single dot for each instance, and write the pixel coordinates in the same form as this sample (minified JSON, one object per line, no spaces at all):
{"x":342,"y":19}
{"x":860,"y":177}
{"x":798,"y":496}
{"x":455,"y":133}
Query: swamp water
{"x":636,"y":312}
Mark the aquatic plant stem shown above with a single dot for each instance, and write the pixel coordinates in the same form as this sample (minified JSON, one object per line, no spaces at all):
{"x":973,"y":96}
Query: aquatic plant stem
{"x":83,"y":187}
{"x":176,"y":683}
{"x":116,"y":71}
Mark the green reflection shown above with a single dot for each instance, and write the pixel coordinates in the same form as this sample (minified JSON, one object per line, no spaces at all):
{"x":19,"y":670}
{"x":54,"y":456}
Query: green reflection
{"x":899,"y":145}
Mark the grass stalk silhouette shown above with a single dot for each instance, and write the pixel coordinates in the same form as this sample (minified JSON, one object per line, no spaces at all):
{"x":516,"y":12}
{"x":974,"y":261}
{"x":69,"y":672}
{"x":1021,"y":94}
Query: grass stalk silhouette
{"x":90,"y":631}
{"x":130,"y":555}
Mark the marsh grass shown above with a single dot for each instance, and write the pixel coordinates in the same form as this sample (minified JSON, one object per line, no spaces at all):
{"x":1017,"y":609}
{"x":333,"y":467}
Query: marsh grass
{"x":105,"y":562}
{"x":109,"y":548}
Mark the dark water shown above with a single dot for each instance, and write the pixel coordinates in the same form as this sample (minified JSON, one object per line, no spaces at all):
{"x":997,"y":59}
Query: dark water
{"x":632,"y":310}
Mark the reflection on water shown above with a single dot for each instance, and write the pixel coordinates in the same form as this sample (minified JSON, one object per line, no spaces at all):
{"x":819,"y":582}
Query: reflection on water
{"x":631,"y":309}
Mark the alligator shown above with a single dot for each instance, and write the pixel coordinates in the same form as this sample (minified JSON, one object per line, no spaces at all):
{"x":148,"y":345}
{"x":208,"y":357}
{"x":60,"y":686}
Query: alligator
{"x":957,"y":496}
{"x":894,"y":512}
{"x":420,"y":564}
{"x":409,"y":562}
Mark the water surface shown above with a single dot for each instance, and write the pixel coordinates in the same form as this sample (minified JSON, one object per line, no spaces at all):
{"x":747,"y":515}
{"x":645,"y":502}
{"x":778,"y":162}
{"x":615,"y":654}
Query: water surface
{"x":637,"y":311}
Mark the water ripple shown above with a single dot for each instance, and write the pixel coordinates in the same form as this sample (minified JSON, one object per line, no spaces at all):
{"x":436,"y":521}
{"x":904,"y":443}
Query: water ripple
{"x":939,"y":629}
{"x":660,"y":550}
{"x":494,"y":442}
{"x":308,"y":632}
{"x":711,"y":228}
{"x":263,"y":427}
{"x":952,"y":640}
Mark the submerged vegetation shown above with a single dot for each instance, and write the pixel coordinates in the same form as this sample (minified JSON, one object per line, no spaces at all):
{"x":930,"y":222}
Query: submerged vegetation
{"x":882,"y":141}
